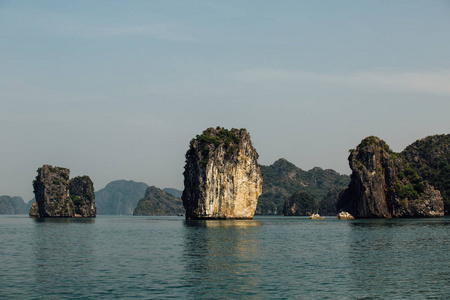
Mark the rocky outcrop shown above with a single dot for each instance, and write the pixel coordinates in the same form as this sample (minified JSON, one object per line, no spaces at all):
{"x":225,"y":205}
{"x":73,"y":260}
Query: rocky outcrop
{"x":300,"y":204}
{"x":383,"y":185}
{"x":431,"y":158}
{"x":53,"y":197}
{"x":157,"y":202}
{"x":119,"y":197}
{"x":222,"y":178}
{"x":343,"y":215}
{"x":81,"y":190}
{"x":316,"y":217}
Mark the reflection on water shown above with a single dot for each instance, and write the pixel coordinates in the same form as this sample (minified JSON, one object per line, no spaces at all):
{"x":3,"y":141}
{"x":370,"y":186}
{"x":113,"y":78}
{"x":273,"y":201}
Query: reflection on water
{"x":221,"y":257}
{"x":236,"y":224}
{"x":389,"y":255}
{"x":267,"y":258}
{"x":65,"y":220}
{"x":63,"y":257}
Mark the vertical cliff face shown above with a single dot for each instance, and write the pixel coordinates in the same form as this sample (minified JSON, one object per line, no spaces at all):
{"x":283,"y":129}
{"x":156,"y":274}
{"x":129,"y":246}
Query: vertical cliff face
{"x":222,"y":178}
{"x":52,"y":189}
{"x":431,"y":158}
{"x":383,"y":185}
{"x":81,"y":191}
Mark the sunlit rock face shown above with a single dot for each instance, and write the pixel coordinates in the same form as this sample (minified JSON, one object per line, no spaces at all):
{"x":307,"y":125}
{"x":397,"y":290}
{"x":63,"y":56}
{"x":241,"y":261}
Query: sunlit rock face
{"x":222,"y":178}
{"x":384,"y":185}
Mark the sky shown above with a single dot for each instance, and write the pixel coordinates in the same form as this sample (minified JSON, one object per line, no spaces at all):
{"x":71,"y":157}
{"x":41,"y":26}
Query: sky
{"x":117,"y":89}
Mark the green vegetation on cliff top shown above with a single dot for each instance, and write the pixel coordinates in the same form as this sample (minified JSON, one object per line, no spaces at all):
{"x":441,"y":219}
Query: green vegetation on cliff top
{"x":213,"y":138}
{"x":408,"y":183}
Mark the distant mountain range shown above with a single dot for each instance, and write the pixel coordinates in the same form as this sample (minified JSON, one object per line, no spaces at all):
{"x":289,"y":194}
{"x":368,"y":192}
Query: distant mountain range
{"x":282,"y":179}
{"x":12,"y":205}
{"x":121,"y":197}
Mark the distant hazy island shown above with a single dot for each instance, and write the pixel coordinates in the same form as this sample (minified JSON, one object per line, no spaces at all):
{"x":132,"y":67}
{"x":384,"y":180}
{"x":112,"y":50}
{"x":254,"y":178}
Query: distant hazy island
{"x":157,"y":202}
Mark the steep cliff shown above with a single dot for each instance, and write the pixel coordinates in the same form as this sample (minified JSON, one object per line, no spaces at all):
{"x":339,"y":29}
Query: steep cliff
{"x":157,"y":202}
{"x":222,"y":178}
{"x":431,"y":158}
{"x":282,"y":179}
{"x":53,"y":197}
{"x":119,"y":197}
{"x":81,"y":190}
{"x":51,"y":189}
{"x":383,"y":185}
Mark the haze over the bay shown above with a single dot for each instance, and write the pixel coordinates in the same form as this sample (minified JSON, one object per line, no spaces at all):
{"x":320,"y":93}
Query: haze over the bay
{"x":117,"y":89}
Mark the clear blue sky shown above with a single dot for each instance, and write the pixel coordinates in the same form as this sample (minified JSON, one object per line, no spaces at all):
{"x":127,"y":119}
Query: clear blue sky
{"x":117,"y":89}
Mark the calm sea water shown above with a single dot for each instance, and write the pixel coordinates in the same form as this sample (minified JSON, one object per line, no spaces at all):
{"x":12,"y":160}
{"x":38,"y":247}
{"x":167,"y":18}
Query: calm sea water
{"x":266,"y":258}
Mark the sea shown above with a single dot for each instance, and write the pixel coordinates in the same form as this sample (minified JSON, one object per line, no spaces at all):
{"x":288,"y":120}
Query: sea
{"x":269,"y":257}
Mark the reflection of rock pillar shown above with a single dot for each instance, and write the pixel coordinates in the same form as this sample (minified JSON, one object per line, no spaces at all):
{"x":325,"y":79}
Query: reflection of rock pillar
{"x":216,"y":252}
{"x":58,"y":244}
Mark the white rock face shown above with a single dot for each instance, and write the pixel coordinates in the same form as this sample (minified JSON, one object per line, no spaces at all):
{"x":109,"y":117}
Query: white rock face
{"x":316,"y":217}
{"x":222,"y":177}
{"x":345,"y":216}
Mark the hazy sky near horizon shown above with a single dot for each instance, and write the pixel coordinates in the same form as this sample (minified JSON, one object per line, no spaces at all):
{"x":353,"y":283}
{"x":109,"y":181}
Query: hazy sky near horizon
{"x":117,"y":89}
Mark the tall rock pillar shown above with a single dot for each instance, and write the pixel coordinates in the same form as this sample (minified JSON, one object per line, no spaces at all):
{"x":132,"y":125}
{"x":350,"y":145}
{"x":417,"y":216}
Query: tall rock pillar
{"x":222,"y":178}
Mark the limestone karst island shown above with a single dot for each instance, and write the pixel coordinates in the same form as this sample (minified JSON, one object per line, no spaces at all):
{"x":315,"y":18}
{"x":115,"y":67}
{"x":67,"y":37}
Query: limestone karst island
{"x":222,"y":178}
{"x":385,"y":184}
{"x":58,"y":196}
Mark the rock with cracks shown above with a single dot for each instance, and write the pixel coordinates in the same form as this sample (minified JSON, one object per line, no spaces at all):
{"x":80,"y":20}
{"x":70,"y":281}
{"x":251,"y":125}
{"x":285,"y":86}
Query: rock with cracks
{"x":222,"y":178}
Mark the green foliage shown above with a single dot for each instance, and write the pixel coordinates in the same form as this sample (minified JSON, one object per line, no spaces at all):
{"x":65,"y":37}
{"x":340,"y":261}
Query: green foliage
{"x":405,"y":191}
{"x":430,"y":158}
{"x":76,"y":200}
{"x":211,"y":139}
{"x":283,"y":179}
{"x":300,"y":204}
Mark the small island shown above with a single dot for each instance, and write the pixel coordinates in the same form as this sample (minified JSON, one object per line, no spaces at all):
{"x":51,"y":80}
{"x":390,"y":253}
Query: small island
{"x":57,"y":196}
{"x":157,"y":202}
